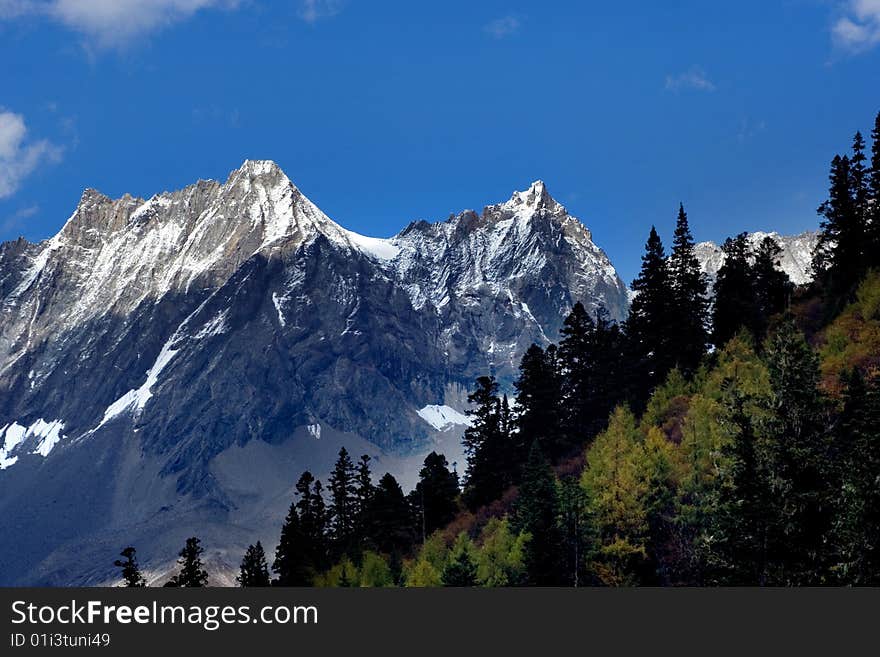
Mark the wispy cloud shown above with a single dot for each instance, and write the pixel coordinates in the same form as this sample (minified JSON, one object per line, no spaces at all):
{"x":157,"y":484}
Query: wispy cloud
{"x":693,"y":78}
{"x":503,"y":27}
{"x":749,"y":128}
{"x":858,"y":29}
{"x":214,"y":114}
{"x":311,"y":11}
{"x":20,"y":156}
{"x":111,"y":23}
{"x":15,"y":221}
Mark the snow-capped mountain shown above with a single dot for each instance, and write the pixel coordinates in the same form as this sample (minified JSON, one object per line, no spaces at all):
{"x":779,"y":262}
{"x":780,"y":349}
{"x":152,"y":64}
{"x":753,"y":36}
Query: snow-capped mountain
{"x":169,"y":366}
{"x":795,"y":260}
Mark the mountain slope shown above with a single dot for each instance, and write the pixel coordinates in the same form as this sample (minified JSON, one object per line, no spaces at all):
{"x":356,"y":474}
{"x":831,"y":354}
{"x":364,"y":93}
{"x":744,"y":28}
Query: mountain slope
{"x":169,"y":366}
{"x":795,"y":260}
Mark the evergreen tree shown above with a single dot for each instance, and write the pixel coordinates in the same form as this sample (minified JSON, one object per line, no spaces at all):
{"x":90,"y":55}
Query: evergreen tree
{"x":798,"y":459}
{"x":734,"y":292}
{"x":690,"y":300}
{"x":192,"y":573}
{"x":312,"y":523}
{"x":363,"y":497}
{"x":486,"y":448}
{"x":873,"y":210}
{"x":860,"y":178}
{"x":292,"y":565}
{"x":650,"y":326}
{"x":131,"y":573}
{"x":461,"y":569}
{"x":538,"y":397}
{"x":536,"y":512}
{"x":838,"y":258}
{"x":435,"y":497}
{"x":577,"y":532}
{"x":746,"y":518}
{"x":343,"y":505}
{"x":772,"y":285}
{"x":254,"y":569}
{"x":857,"y":526}
{"x":590,"y":356}
{"x":392,"y":531}
{"x":506,"y":422}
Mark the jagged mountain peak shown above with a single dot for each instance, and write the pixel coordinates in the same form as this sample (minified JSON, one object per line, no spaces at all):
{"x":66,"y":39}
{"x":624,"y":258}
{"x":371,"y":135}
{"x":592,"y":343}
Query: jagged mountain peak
{"x":533,"y":199}
{"x":231,"y":327}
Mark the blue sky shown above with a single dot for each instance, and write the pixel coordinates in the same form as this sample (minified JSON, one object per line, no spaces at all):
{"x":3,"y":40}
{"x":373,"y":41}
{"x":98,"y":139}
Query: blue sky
{"x":383,"y":111}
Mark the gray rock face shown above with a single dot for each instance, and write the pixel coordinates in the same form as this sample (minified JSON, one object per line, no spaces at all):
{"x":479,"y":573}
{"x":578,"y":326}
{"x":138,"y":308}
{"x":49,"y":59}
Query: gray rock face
{"x":169,"y":366}
{"x":795,"y":260}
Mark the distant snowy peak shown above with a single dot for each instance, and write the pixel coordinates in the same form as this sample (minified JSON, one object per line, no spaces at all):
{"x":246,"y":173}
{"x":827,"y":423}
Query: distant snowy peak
{"x":532,"y":200}
{"x":516,"y":251}
{"x":795,"y":260}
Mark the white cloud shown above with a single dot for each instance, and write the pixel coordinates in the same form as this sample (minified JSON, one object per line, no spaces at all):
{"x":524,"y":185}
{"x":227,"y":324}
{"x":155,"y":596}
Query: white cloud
{"x":312,"y":11}
{"x":858,"y":29}
{"x":503,"y":27}
{"x":112,"y":23}
{"x":695,"y":78}
{"x":19,"y":156}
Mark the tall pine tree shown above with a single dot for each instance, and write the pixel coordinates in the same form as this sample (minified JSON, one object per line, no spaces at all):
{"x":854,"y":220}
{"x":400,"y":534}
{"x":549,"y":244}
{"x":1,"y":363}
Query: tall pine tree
{"x":363,"y":496}
{"x":486,"y":447}
{"x":292,"y":565}
{"x":772,"y":285}
{"x":254,"y":571}
{"x":131,"y":573}
{"x":343,"y":505}
{"x":192,"y":573}
{"x":312,"y":522}
{"x":392,"y":528}
{"x":537,"y":512}
{"x":435,"y":497}
{"x":538,"y":403}
{"x":857,"y":519}
{"x":839,"y":253}
{"x":873,"y":213}
{"x":734,"y":307}
{"x":649,"y":327}
{"x":690,"y":300}
{"x":798,"y":458}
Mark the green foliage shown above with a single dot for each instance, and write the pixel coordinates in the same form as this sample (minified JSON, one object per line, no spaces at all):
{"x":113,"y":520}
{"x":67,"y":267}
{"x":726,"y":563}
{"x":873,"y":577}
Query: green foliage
{"x":342,"y":575}
{"x":852,"y":340}
{"x":422,"y":574}
{"x":666,"y":400}
{"x":501,"y":558}
{"x":857,"y":523}
{"x":375,"y":571}
{"x":461,"y":569}
{"x":536,"y":513}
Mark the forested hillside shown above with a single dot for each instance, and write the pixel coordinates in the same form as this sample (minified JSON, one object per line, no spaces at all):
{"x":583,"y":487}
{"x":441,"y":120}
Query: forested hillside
{"x":716,"y":437}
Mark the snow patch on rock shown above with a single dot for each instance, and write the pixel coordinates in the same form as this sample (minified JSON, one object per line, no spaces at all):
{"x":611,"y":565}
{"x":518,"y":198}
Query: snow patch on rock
{"x":13,"y":436}
{"x":443,"y":417}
